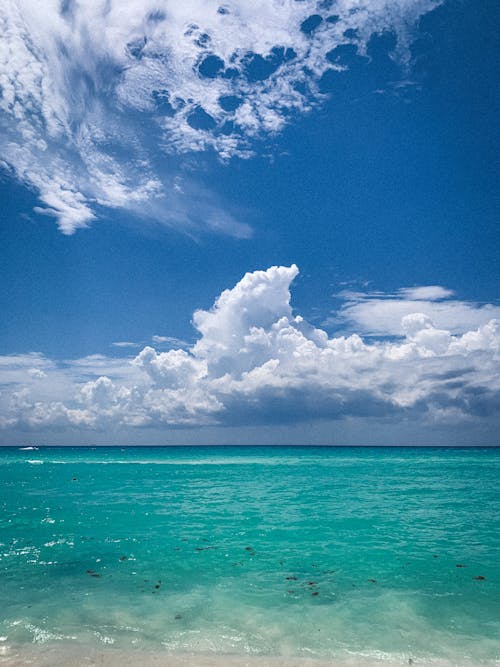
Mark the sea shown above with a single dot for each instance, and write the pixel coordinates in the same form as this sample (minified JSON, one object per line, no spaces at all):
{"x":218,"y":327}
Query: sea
{"x":249,"y":556}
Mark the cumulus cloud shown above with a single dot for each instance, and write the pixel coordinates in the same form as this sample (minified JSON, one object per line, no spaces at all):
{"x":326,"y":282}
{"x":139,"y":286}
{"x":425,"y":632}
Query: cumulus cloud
{"x":380,"y":314}
{"x":256,"y":362}
{"x":90,"y":90}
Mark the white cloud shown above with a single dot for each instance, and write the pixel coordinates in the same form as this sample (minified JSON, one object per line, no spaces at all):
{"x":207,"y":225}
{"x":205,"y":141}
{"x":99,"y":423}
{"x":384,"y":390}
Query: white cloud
{"x":170,"y":341}
{"x":379,"y":314}
{"x":174,"y":369}
{"x":89,"y":91}
{"x":37,"y":373}
{"x":125,"y":344}
{"x":230,"y":330}
{"x":256,"y":362}
{"x":426,"y":293}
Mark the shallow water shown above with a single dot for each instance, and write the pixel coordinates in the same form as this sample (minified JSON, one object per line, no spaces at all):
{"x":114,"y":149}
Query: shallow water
{"x":326,"y":553}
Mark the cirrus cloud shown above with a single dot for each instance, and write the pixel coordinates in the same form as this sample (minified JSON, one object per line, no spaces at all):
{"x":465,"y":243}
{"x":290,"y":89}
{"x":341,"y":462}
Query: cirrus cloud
{"x":89,"y":91}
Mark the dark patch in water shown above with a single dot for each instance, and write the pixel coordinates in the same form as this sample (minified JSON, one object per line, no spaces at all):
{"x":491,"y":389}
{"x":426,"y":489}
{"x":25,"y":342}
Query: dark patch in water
{"x":479,"y":577}
{"x":91,"y":573}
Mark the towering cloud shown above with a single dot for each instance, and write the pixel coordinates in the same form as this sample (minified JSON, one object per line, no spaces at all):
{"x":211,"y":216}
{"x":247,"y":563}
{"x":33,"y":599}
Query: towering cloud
{"x":257,"y":362}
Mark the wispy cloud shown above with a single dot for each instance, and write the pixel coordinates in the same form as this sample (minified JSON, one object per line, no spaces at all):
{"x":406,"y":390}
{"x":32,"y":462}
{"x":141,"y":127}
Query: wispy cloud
{"x":89,"y":92}
{"x":125,"y":344}
{"x":169,"y":341}
{"x":382,"y":314}
{"x":255,"y":361}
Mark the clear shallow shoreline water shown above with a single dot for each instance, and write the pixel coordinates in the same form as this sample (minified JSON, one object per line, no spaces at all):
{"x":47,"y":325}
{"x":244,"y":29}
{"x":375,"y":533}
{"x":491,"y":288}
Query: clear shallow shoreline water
{"x":67,"y":655}
{"x":336,"y":554}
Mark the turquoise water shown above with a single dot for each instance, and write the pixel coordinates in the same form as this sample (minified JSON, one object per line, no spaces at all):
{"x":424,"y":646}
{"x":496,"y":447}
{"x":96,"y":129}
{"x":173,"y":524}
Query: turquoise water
{"x":317,"y":552}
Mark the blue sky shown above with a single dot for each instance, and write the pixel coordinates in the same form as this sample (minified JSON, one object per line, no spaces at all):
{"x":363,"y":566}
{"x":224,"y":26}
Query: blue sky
{"x":153,"y":157}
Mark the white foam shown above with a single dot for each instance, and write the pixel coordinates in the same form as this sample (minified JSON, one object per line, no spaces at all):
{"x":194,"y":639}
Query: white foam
{"x":186,"y":462}
{"x":104,"y":638}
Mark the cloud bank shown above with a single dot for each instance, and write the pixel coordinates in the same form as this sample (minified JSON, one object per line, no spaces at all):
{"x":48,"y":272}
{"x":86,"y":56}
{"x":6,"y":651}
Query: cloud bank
{"x":89,"y":91}
{"x":256,"y":362}
{"x":379,"y":314}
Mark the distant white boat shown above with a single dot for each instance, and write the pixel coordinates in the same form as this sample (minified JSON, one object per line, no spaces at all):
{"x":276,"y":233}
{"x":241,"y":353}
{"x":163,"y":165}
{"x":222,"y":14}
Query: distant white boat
{"x":28,"y":449}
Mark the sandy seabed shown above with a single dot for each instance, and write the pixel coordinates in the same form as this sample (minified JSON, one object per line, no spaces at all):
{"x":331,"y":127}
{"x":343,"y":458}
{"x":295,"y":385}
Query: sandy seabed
{"x":57,"y":656}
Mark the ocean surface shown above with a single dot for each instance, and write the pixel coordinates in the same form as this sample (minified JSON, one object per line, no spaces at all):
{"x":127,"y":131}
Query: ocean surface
{"x":348,"y":555}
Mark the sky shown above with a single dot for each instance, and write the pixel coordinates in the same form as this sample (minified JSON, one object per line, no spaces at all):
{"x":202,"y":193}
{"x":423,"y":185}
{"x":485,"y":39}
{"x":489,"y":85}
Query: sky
{"x":266,"y":222}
